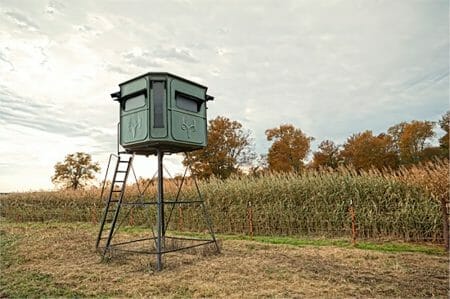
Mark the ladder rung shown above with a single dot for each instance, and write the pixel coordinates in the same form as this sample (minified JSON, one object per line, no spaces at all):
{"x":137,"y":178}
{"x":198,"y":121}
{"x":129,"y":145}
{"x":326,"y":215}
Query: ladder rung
{"x":121,"y":171}
{"x":119,"y":181}
{"x":124,"y":161}
{"x":117,"y":191}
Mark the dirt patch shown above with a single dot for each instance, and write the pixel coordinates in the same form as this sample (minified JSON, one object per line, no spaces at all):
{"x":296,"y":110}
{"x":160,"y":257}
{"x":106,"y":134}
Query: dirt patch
{"x":65,"y":252}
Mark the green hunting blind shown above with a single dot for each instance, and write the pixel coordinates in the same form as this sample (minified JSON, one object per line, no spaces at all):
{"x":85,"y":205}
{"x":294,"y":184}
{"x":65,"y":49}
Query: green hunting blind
{"x":162,"y":111}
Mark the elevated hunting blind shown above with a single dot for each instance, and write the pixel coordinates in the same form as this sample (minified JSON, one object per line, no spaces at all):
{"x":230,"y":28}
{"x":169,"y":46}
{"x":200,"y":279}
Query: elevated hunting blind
{"x":162,"y":111}
{"x":159,"y":113}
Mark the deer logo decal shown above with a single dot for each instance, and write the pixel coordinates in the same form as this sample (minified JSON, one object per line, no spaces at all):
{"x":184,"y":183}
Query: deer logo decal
{"x":133,"y":125}
{"x":188,"y":127}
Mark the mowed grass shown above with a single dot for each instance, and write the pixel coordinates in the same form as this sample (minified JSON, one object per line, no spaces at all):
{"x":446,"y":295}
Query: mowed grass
{"x":58,"y":259}
{"x":388,"y":246}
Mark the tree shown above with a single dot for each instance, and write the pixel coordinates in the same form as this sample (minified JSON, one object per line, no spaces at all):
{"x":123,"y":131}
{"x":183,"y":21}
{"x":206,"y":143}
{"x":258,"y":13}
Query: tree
{"x":259,"y":166}
{"x":431,"y":153}
{"x":410,"y":139}
{"x":76,"y":171}
{"x":444,"y":123}
{"x":326,"y":156}
{"x":289,"y":148}
{"x":365,"y":151}
{"x":228,"y":148}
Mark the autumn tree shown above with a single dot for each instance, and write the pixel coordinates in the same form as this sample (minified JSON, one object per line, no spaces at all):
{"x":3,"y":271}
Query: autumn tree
{"x":229,"y":147}
{"x":431,"y":153}
{"x":365,"y":151}
{"x":326,"y":156}
{"x":410,"y":139}
{"x":259,"y":166}
{"x":444,"y":123}
{"x":289,"y":148}
{"x":76,"y":171}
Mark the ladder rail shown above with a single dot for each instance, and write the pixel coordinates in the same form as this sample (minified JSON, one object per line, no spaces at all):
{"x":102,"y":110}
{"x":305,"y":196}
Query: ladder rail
{"x":119,"y":202}
{"x":106,"y":174}
{"x":110,"y":199}
{"x":107,"y":204}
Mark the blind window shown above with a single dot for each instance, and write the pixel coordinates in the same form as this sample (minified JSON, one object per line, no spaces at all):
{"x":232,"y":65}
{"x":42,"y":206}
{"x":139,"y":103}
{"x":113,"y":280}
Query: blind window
{"x":134,"y":103}
{"x":159,"y":95}
{"x":187,"y":103}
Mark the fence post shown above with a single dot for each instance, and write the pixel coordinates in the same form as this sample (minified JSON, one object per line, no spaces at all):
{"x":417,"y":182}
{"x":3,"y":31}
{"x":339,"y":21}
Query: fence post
{"x":250,"y":219}
{"x":94,"y":216}
{"x":131,"y":219}
{"x":180,"y":219}
{"x":445,"y":206}
{"x":353,"y":217}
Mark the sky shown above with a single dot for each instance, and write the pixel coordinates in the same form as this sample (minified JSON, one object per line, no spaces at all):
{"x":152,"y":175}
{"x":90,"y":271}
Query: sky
{"x":331,"y":68}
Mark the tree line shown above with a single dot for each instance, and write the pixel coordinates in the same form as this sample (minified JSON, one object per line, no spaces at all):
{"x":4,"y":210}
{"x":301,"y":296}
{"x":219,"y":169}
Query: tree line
{"x":230,"y":149}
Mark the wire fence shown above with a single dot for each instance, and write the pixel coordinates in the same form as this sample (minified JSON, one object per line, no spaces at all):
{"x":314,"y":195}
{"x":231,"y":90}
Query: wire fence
{"x":354,"y":230}
{"x":252,"y":221}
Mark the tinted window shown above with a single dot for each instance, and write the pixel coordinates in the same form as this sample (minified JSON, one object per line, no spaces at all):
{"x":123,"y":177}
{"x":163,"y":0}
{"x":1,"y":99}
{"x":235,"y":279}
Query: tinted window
{"x":159,"y":95}
{"x":133,"y":103}
{"x":187,"y":103}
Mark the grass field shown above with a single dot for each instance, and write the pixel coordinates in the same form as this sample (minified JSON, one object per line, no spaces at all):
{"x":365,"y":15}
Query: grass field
{"x":58,"y":259}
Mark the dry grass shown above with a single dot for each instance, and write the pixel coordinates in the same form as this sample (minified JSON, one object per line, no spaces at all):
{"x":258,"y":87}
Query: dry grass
{"x":65,"y":254}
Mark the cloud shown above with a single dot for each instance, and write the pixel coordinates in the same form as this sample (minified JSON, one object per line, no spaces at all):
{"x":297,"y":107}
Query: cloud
{"x":4,"y":58}
{"x":22,"y":21}
{"x":54,"y":7}
{"x":183,"y":54}
{"x":83,"y":28}
{"x":44,"y":55}
{"x":426,"y":80}
{"x":50,"y":10}
{"x":140,"y":58}
{"x":40,"y":116}
{"x":223,"y":51}
{"x":158,"y":57}
{"x":116,"y":69}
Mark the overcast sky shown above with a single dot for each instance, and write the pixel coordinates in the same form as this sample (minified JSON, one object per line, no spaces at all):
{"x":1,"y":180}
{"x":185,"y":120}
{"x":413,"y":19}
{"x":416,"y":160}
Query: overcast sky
{"x":331,"y":68}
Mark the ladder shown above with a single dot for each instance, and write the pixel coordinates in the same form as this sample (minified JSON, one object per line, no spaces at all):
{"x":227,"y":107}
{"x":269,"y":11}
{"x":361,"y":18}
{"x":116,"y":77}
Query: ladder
{"x":113,"y":202}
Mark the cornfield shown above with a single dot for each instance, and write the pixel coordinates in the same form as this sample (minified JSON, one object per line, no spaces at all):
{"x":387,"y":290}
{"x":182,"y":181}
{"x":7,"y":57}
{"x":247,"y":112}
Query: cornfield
{"x":404,"y":204}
